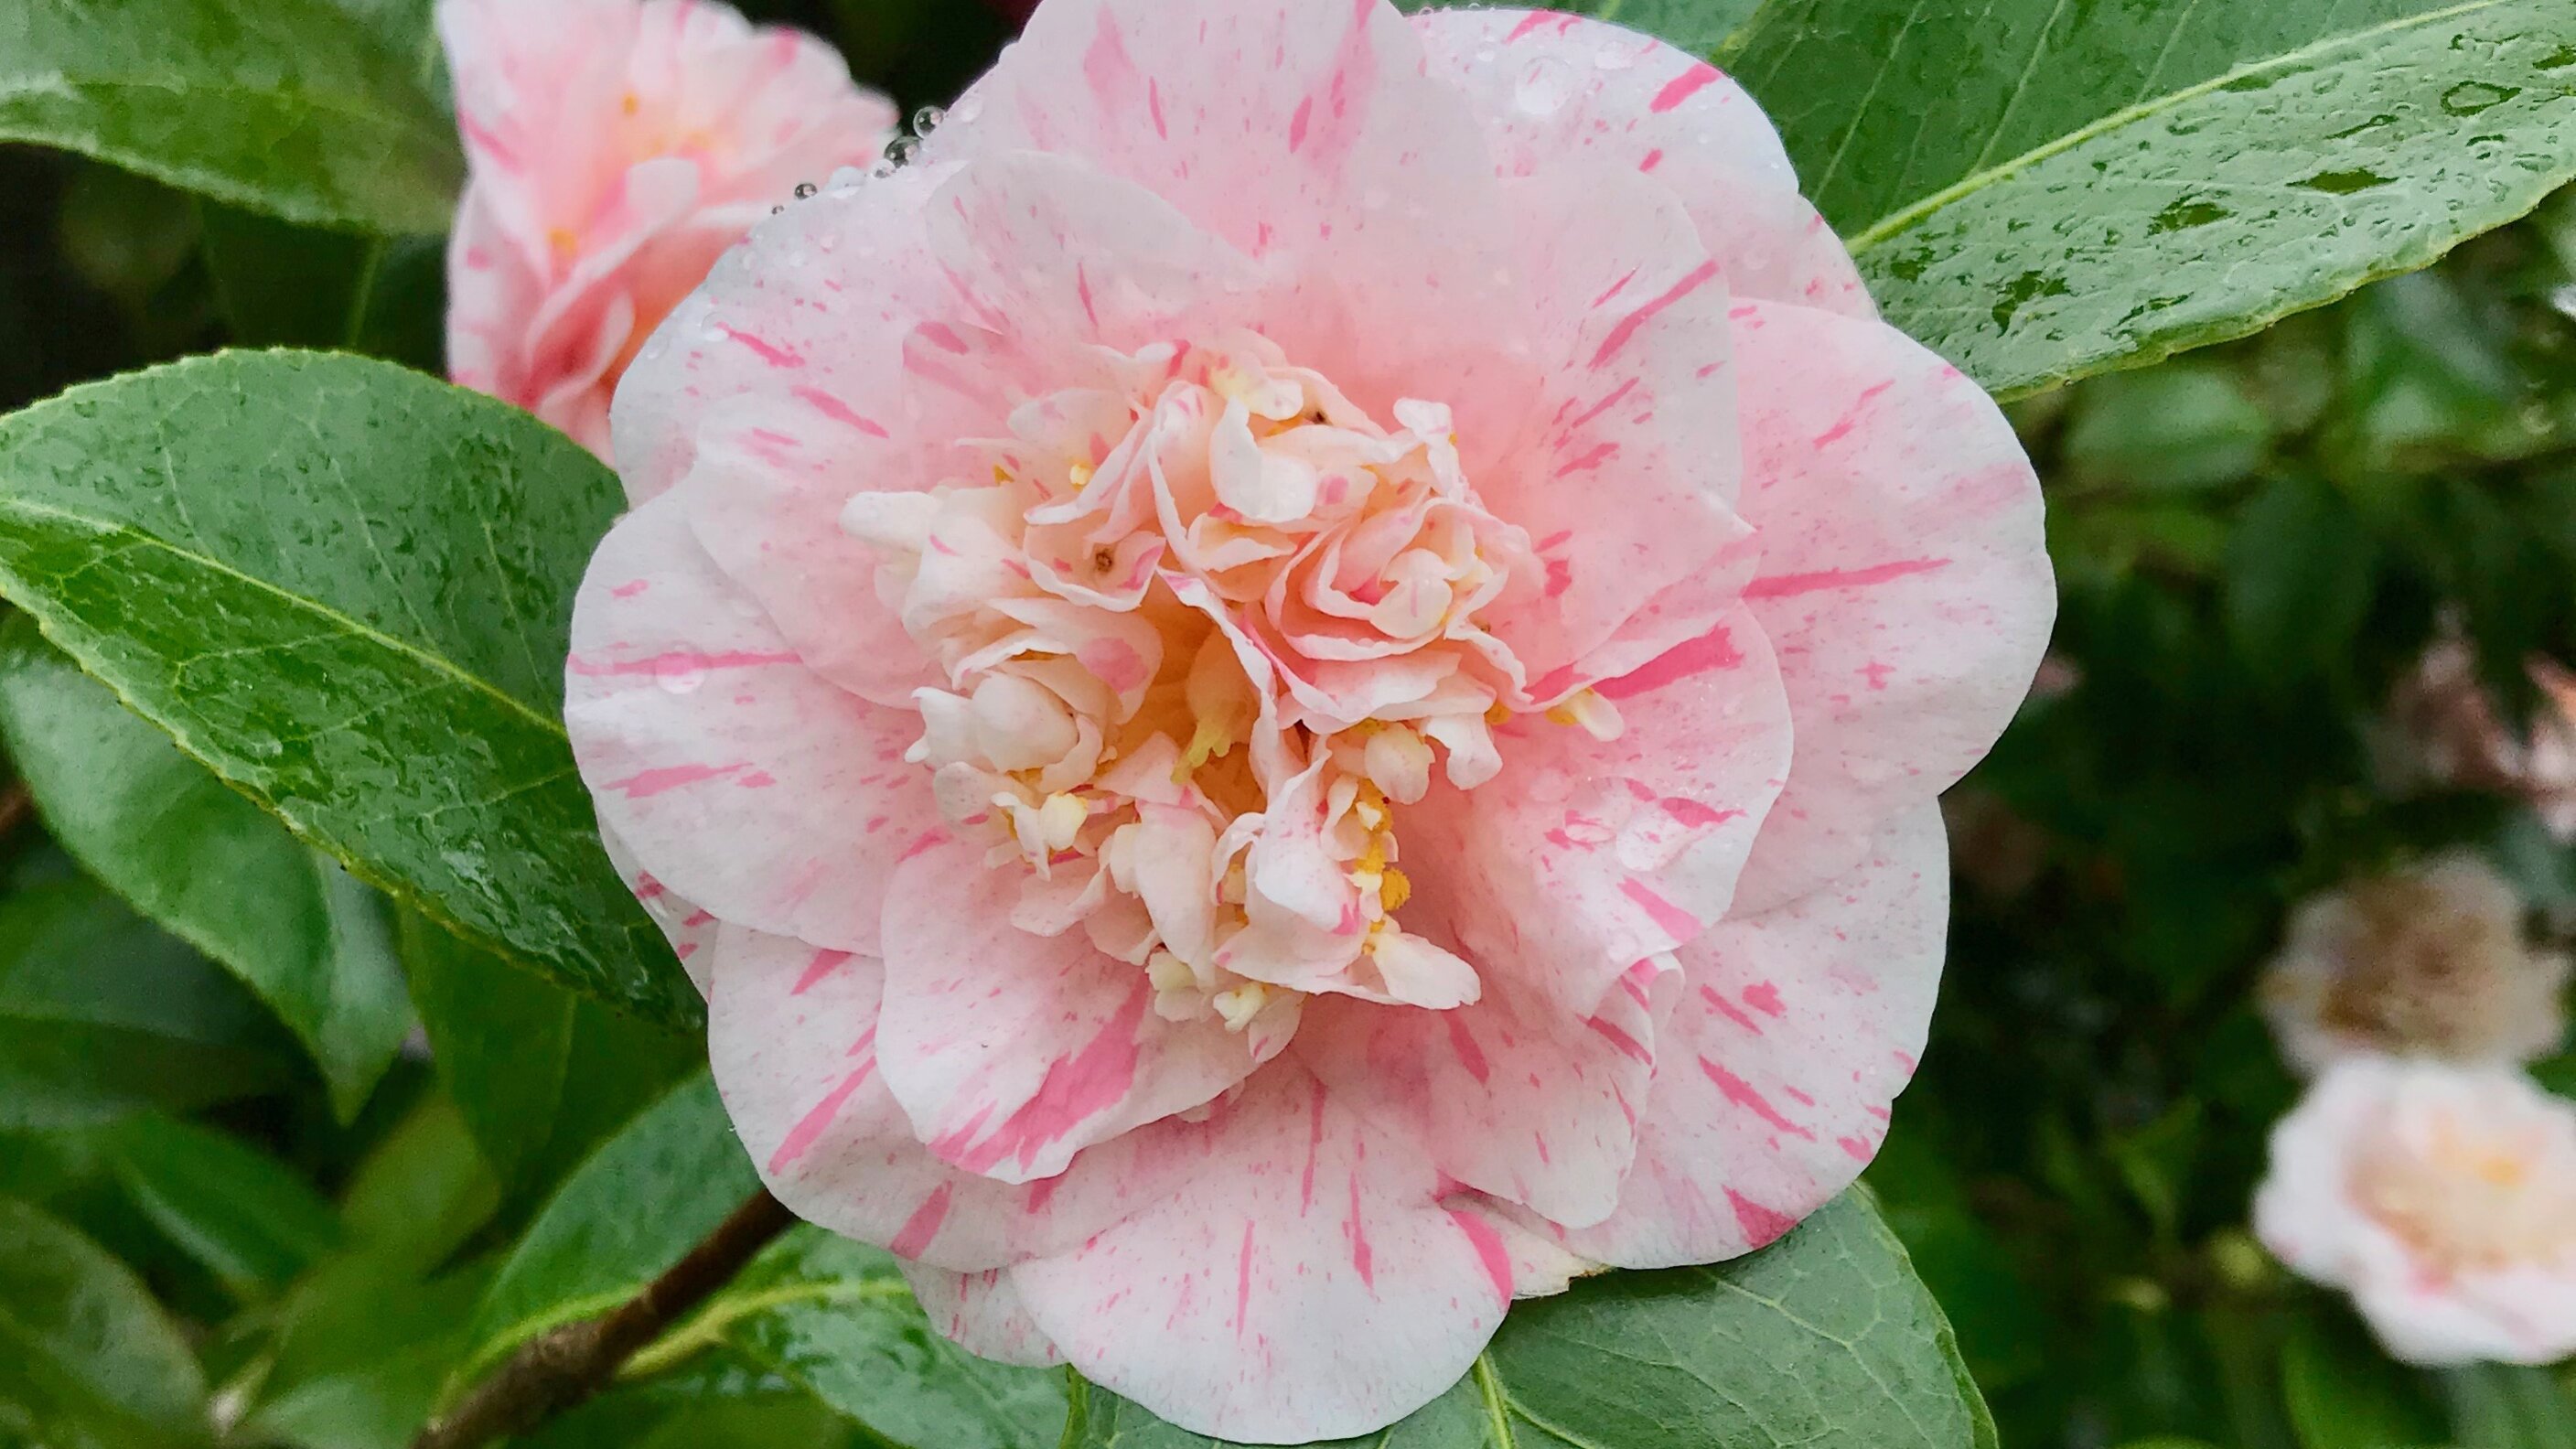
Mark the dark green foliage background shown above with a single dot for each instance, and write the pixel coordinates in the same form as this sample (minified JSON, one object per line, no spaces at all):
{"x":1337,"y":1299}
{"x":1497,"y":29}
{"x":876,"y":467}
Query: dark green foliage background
{"x":219,"y":1180}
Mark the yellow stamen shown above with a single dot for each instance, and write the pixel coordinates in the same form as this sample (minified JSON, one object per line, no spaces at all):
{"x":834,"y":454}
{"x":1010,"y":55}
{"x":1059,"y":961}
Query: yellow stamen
{"x":1394,"y":890}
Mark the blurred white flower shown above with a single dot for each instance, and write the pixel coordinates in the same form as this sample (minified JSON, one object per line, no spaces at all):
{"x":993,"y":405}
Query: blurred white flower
{"x":2446,"y":733}
{"x":2428,"y":961}
{"x":2442,"y":1198}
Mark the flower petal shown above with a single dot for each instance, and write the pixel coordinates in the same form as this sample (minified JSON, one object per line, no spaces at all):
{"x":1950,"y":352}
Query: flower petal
{"x":1795,"y":1031}
{"x":737,"y":776}
{"x":1584,"y":856}
{"x":981,"y":1313}
{"x":689,"y":927}
{"x":1013,"y":1051}
{"x":792,"y":1034}
{"x":1549,"y":88}
{"x":1511,"y":1094}
{"x":1623,"y":470}
{"x":1305,"y":1285}
{"x":1905,"y":580}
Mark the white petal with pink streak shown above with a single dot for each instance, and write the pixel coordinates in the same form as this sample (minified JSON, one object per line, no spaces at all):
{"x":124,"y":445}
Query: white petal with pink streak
{"x":736,"y":776}
{"x":1795,"y":1031}
{"x":1014,"y":1051}
{"x":981,"y":1313}
{"x":1551,"y":88}
{"x":1904,"y":581}
{"x":1306,"y":1285}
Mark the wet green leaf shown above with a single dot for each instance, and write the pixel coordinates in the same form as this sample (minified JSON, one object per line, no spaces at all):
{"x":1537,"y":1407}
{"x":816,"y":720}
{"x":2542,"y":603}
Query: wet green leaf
{"x":1698,"y":26}
{"x":290,"y":107}
{"x":836,"y":1317}
{"x":1825,"y":1337}
{"x":591,"y":1248}
{"x":207,"y":864}
{"x":101,"y":1015}
{"x":540,"y":1074}
{"x":239,"y":1211}
{"x":347,"y":588}
{"x":2039,"y":191}
{"x":87,"y":1359}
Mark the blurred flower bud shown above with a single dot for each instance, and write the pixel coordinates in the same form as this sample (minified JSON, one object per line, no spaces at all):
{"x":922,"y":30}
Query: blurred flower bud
{"x":2428,"y":961}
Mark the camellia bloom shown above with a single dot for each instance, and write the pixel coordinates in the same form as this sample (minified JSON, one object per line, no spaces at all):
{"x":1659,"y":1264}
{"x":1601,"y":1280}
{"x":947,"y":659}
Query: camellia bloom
{"x":2447,"y":733}
{"x":616,"y":148}
{"x":2427,"y":961}
{"x":2442,"y":1198}
{"x":1304,"y":675}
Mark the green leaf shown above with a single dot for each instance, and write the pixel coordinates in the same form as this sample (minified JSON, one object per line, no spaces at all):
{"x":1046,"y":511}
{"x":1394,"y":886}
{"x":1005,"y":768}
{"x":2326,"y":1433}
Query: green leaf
{"x":2500,"y":1406}
{"x":87,"y":1359}
{"x":422,"y":1192}
{"x":1825,"y":1337}
{"x":283,"y":285}
{"x":837,"y":1318}
{"x":364,"y":1345}
{"x":290,"y":107}
{"x":592,"y":1248}
{"x":2300,"y":571}
{"x":541,"y":1075}
{"x":102,"y":1015}
{"x":2039,"y":190}
{"x":208,"y":865}
{"x":239,"y":1211}
{"x":2182,"y":426}
{"x":2344,"y":1393}
{"x":347,"y":588}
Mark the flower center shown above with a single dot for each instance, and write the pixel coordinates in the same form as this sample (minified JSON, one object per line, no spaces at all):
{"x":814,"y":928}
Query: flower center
{"x":1206,"y":627}
{"x":2473,"y":1195}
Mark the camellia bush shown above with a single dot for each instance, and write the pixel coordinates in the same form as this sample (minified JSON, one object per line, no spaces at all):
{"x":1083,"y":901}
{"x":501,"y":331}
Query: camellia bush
{"x":1152,"y":723}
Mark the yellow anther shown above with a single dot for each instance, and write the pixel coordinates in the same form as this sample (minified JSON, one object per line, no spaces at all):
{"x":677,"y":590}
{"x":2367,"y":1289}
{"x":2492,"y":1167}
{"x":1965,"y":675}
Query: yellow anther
{"x":1210,"y":739}
{"x":1240,"y":1005}
{"x":630,"y":103}
{"x":1495,"y":714}
{"x":1080,"y":476}
{"x":565,"y":242}
{"x":1394,"y":890}
{"x":1001,"y":474}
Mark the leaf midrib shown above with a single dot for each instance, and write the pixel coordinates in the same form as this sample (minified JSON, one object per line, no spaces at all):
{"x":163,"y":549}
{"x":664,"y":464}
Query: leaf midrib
{"x":1897,"y":222}
{"x":437,"y":663}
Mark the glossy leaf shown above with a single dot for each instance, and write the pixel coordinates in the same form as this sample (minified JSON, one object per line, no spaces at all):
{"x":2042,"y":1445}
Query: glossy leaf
{"x":641,"y":1202}
{"x":207,"y":864}
{"x":290,"y":107}
{"x":2502,"y":1406}
{"x":2344,"y":1393}
{"x":422,"y":1192}
{"x":540,"y":1074}
{"x":836,"y":1317}
{"x":87,"y":1359}
{"x":239,"y":1211}
{"x":347,"y":587}
{"x":1825,"y":1337}
{"x":2039,"y":190}
{"x":102,"y":1015}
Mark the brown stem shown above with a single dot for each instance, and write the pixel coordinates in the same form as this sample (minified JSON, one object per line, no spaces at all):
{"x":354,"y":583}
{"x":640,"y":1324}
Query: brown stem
{"x":560,"y":1369}
{"x":15,"y":805}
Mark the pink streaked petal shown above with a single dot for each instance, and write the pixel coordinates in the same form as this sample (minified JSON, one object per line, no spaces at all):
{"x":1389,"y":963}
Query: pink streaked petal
{"x":1512,"y":1094}
{"x":1013,"y":1051}
{"x":1904,"y":579}
{"x":1623,"y":470}
{"x":1795,"y":1030}
{"x":1587,"y":856}
{"x":1657,"y":112}
{"x":690,"y":927}
{"x":981,"y":1313}
{"x":1305,"y":1286}
{"x":736,"y":776}
{"x":794,"y":1049}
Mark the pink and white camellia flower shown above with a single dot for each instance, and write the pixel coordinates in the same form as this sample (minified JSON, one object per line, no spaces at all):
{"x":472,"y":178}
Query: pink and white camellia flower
{"x":1304,"y":675}
{"x":2442,"y":1198}
{"x":616,"y":149}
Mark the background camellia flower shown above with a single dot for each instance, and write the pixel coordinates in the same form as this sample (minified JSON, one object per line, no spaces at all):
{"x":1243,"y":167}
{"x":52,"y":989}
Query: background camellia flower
{"x":1303,"y":677}
{"x":2442,"y":1198}
{"x":2430,"y":960}
{"x":2446,"y":732}
{"x":616,"y":148}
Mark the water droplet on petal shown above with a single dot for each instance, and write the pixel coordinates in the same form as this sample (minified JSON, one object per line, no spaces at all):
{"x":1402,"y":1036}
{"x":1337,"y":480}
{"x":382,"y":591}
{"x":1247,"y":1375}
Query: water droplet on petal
{"x":804,"y":189}
{"x":1545,"y":87}
{"x":927,"y":119}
